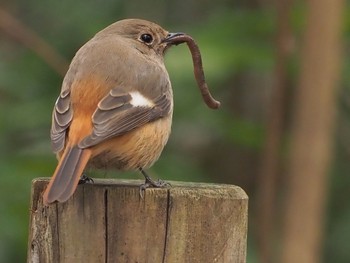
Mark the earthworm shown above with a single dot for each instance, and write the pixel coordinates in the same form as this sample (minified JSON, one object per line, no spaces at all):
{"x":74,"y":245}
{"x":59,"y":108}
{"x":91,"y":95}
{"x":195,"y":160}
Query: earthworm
{"x":198,"y":69}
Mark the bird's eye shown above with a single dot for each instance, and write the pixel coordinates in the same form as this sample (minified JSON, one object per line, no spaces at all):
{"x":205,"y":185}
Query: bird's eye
{"x":147,"y":38}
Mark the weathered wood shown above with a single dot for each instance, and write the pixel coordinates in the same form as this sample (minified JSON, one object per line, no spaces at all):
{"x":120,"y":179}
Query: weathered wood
{"x":109,"y":222}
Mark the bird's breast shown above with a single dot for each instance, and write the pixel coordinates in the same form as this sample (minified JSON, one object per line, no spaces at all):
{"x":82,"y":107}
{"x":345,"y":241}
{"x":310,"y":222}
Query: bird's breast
{"x":138,"y":148}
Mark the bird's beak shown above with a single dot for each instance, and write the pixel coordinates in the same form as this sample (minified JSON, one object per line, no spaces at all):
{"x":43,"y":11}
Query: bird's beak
{"x":174,"y":38}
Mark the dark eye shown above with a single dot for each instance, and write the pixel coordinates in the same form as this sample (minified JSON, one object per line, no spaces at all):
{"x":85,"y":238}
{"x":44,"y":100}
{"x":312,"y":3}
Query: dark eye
{"x":147,"y":38}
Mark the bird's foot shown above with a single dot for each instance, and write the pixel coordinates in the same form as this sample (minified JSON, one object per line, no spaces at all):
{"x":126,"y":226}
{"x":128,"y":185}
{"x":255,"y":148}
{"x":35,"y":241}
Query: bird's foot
{"x":84,"y":179}
{"x":150,"y":183}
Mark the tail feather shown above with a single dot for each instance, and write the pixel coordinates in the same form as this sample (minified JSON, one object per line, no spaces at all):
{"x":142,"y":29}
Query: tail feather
{"x":67,"y":174}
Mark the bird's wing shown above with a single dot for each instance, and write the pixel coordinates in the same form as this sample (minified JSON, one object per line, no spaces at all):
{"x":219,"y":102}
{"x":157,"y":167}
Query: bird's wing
{"x":120,"y":112}
{"x":61,"y":118}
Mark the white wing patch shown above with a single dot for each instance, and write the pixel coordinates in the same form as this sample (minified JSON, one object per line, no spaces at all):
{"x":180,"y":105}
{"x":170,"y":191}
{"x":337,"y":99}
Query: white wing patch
{"x":138,"y":100}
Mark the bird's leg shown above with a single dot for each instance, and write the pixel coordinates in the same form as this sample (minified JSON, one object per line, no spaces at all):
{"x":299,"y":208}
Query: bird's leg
{"x":149,"y":182}
{"x":84,"y":179}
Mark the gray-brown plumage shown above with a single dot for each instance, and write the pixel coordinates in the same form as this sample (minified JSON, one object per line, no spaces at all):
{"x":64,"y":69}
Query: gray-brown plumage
{"x":115,"y":107}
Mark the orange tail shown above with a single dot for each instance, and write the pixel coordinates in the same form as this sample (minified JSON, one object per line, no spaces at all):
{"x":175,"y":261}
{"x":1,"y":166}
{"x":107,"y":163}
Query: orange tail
{"x":67,"y":174}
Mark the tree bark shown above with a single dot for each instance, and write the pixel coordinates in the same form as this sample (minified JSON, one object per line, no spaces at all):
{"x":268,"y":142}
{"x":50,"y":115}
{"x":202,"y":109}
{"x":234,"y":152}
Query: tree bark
{"x":311,"y":135}
{"x":266,"y":203}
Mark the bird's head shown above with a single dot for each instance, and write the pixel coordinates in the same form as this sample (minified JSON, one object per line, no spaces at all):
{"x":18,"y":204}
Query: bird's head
{"x":145,"y":36}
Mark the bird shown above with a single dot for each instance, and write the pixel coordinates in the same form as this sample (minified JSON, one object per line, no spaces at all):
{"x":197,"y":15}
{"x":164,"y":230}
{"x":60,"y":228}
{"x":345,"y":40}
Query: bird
{"x":115,"y":107}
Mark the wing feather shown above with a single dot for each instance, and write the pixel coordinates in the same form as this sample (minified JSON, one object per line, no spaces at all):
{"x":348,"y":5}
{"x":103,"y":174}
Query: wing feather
{"x":116,"y":115}
{"x":61,"y":118}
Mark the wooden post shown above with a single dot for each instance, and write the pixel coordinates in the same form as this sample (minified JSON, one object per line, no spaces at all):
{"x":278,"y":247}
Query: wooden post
{"x":108,"y":221}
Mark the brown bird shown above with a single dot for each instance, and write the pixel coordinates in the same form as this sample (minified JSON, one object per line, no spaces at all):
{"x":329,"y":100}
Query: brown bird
{"x":115,"y":106}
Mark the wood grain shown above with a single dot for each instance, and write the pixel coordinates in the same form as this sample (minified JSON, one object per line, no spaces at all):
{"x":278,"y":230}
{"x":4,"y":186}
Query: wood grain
{"x":108,"y":221}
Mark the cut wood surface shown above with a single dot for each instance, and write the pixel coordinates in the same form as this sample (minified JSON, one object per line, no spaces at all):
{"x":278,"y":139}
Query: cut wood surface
{"x":108,"y":221}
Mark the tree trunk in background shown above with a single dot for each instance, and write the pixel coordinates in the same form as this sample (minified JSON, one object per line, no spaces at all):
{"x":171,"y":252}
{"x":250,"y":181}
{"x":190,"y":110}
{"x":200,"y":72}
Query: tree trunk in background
{"x":266,"y":190}
{"x":311,"y":137}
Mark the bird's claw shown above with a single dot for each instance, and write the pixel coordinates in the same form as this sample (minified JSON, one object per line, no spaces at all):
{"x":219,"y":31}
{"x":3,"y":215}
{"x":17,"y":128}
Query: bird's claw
{"x":84,"y":179}
{"x":149,"y":183}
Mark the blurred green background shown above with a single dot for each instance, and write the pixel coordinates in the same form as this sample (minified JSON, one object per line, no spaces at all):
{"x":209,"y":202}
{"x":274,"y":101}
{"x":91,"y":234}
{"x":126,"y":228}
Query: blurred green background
{"x":237,"y":41}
